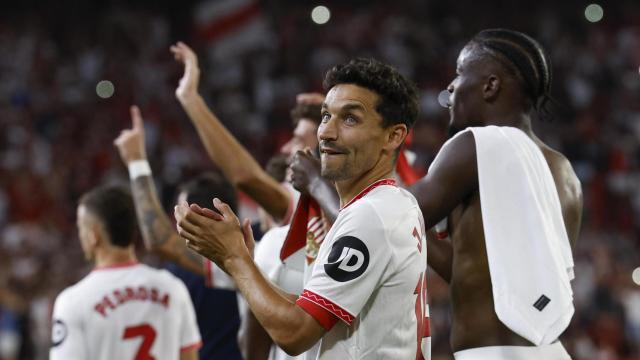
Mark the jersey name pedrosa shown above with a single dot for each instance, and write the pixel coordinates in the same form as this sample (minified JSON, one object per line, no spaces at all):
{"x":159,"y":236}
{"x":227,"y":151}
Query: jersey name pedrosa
{"x":129,"y":311}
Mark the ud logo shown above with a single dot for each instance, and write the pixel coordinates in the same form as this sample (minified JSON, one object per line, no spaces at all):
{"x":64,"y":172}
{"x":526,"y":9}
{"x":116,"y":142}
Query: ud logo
{"x":348,"y":259}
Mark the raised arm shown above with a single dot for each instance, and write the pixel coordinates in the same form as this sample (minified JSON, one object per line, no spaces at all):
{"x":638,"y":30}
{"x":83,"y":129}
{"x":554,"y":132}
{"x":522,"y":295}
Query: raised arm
{"x":158,"y":232}
{"x":237,"y":164}
{"x":452,"y":178}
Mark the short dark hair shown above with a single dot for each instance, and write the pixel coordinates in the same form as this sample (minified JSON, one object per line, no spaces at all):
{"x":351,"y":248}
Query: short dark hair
{"x":202,"y":189}
{"x":398,"y":96}
{"x":113,"y":206}
{"x":306,"y":111}
{"x":525,"y":57}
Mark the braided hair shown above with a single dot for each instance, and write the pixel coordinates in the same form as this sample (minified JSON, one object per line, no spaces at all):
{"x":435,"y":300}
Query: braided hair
{"x":525,"y":58}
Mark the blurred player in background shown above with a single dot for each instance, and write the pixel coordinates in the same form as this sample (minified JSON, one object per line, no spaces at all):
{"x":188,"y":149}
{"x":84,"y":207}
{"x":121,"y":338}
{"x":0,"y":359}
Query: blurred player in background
{"x":514,"y":206}
{"x":211,"y":289}
{"x":364,"y":297}
{"x":122,"y":309}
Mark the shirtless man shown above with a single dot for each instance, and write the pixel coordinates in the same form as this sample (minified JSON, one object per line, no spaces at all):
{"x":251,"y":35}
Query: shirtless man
{"x":503,"y":79}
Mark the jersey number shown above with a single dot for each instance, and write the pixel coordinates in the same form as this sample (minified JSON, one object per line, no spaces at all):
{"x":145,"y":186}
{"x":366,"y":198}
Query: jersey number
{"x":148,"y":335}
{"x":422,"y":309}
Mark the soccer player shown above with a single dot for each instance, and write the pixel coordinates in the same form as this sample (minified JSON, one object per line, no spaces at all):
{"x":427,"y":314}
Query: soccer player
{"x":211,"y":290}
{"x":514,"y":206}
{"x":122,"y":309}
{"x":365,"y":296}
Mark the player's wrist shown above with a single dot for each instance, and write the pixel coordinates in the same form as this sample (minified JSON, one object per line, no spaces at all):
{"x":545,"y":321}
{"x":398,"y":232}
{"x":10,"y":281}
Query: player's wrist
{"x":237,"y":264}
{"x":139,"y":167}
{"x":188,"y":97}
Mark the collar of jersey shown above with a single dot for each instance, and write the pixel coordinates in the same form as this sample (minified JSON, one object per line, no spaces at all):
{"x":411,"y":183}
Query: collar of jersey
{"x":116,"y":266}
{"x":368,"y":189}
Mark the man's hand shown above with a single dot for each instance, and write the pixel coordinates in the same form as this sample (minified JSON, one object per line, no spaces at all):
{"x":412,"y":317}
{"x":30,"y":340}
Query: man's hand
{"x":188,"y":86}
{"x":130,"y":142}
{"x":218,"y":237}
{"x":305,"y":171}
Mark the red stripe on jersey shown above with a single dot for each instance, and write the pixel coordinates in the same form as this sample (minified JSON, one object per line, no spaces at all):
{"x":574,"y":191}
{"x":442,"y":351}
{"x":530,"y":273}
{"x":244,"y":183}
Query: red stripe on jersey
{"x":116,"y":266}
{"x":208,"y":272}
{"x":197,"y":345}
{"x":322,"y":309}
{"x":368,"y":189}
{"x":325,"y":318}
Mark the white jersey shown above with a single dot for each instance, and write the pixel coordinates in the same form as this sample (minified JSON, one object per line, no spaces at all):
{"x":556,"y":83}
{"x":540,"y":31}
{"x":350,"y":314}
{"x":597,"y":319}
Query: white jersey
{"x":130,"y":311}
{"x":267,"y":258}
{"x":367,"y":287}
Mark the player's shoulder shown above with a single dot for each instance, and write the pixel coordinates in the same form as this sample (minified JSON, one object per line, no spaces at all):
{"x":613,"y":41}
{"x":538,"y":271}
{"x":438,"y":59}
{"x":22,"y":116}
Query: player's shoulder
{"x":72,"y":293}
{"x":381,"y":207}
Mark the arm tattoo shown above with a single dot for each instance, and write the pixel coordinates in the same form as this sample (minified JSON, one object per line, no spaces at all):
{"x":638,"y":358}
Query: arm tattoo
{"x":154,"y":223}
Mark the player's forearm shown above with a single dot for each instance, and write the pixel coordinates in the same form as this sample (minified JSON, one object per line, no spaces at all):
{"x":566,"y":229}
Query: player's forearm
{"x":233,"y":159}
{"x":154,"y":223}
{"x":281,"y":318}
{"x":157,"y":231}
{"x":325,"y":193}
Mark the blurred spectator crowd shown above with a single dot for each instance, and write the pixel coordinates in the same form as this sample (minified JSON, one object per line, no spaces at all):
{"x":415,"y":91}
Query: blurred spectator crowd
{"x":56,"y":134}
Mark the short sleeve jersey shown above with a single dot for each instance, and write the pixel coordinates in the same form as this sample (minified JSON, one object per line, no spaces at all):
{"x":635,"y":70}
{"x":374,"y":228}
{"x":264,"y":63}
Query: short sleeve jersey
{"x":367,"y":287}
{"x":130,"y":311}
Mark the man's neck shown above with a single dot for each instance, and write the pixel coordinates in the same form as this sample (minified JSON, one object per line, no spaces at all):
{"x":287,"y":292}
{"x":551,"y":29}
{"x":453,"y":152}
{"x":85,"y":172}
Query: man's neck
{"x":516,"y":119}
{"x":115,"y":256}
{"x":349,"y":189}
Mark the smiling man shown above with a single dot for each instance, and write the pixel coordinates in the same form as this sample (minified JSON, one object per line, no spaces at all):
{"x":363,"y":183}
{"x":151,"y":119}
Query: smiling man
{"x":365,"y":296}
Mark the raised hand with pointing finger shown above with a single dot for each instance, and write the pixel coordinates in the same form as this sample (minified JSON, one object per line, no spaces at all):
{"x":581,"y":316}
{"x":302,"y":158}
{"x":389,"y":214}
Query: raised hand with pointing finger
{"x":130,"y":142}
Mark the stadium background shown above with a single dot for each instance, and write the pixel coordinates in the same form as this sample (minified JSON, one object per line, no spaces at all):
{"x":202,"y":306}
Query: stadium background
{"x":56,"y":133}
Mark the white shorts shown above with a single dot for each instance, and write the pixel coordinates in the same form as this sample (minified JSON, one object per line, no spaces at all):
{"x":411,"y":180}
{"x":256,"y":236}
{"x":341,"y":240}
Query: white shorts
{"x":553,"y":351}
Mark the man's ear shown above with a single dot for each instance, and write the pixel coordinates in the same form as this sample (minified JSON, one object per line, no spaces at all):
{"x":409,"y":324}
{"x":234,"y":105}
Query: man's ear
{"x":491,"y":87}
{"x":97,"y":235}
{"x":396,"y":135}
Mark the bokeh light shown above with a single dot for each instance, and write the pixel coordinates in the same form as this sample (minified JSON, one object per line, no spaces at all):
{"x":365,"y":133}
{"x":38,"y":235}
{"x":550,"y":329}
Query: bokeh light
{"x":105,"y":89}
{"x":636,"y":276}
{"x":320,"y":15}
{"x":443,"y":98}
{"x":594,"y":13}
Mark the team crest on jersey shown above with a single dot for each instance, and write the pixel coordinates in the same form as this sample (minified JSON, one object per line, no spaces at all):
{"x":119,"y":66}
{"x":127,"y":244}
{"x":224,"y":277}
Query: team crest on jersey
{"x":348,"y":259}
{"x":311,"y":248}
{"x":58,"y":333}
{"x":315,"y":235}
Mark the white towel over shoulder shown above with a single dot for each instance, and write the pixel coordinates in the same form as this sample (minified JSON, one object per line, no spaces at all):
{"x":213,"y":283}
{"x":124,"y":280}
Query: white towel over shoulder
{"x":528,"y":248}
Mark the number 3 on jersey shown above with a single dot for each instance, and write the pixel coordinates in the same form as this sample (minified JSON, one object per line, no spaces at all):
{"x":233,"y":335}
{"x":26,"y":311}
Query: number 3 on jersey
{"x":148,"y":335}
{"x":422,"y":310}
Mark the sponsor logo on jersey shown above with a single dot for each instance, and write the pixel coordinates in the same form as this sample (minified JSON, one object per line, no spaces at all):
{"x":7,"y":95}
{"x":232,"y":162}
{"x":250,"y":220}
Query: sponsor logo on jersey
{"x":58,"y":332}
{"x":348,"y":259}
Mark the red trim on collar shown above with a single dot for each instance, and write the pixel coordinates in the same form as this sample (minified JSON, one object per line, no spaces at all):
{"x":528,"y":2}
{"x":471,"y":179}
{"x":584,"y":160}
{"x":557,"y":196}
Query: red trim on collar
{"x":116,"y":266}
{"x":368,"y":189}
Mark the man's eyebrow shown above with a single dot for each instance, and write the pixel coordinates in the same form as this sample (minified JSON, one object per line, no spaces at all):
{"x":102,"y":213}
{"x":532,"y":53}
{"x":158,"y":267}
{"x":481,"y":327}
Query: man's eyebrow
{"x":348,"y":107}
{"x":353,"y":106}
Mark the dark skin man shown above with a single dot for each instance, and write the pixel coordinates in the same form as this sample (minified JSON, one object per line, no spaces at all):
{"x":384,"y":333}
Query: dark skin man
{"x":485,"y":92}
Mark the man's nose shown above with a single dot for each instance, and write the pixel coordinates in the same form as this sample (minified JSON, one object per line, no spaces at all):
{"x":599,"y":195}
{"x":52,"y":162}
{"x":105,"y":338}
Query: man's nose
{"x":328,"y":130}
